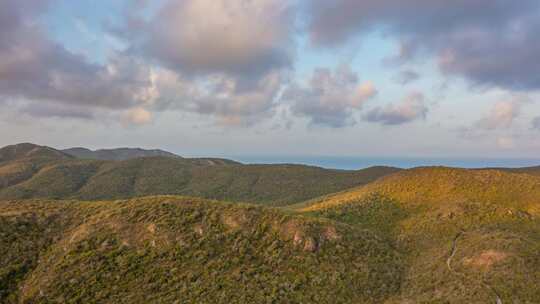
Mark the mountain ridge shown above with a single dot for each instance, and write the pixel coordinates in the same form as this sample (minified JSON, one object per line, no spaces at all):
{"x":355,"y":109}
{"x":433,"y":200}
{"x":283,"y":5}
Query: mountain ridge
{"x":73,"y":178}
{"x":29,"y":150}
{"x":117,"y":153}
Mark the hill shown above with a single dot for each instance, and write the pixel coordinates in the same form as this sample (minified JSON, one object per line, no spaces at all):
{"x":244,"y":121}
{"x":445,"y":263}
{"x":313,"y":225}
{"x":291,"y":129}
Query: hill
{"x":186,"y":250}
{"x":440,"y":185}
{"x":27,"y":151}
{"x":529,"y":170}
{"x":68,"y":178}
{"x":116,"y":154}
{"x":468,"y":236}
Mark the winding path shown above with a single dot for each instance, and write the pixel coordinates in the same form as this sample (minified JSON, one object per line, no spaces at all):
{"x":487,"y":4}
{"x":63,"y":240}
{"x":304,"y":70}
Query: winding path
{"x":449,"y":265}
{"x":453,"y":252}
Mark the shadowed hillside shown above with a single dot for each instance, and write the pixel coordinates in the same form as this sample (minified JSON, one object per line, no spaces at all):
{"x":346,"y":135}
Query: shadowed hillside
{"x":470,"y":236}
{"x":65,"y":177}
{"x":116,"y":154}
{"x":167,"y":249}
{"x":528,"y":170}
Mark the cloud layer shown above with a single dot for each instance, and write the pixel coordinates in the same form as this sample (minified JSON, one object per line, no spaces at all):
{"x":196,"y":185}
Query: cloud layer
{"x":411,"y":108}
{"x":488,"y":42}
{"x":237,"y":61}
{"x":241,"y":38}
{"x":49,"y":80}
{"x":331,"y":97}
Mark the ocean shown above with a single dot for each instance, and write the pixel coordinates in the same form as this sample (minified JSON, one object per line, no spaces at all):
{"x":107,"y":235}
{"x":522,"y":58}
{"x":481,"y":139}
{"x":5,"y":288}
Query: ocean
{"x":355,"y":163}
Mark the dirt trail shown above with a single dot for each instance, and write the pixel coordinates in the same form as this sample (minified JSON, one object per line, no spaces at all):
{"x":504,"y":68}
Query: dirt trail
{"x":449,"y":265}
{"x":453,"y":252}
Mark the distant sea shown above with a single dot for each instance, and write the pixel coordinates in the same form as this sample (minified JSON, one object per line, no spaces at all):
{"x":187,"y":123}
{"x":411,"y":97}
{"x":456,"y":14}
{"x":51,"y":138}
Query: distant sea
{"x":354,"y":163}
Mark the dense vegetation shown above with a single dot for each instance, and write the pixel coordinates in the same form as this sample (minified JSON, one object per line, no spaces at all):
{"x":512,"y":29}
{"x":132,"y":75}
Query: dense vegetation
{"x":30,"y":176}
{"x":425,"y":235}
{"x":186,"y":250}
{"x":467,"y":236}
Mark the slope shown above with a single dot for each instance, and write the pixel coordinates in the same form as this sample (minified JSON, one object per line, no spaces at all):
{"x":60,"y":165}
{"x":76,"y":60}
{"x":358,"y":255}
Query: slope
{"x":30,"y":151}
{"x":187,"y":250}
{"x":278,"y":185}
{"x":20,"y":162}
{"x":469,"y":236}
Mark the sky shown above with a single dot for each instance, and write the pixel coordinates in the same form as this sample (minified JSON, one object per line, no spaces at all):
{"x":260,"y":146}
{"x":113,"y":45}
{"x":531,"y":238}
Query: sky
{"x":344,"y":78}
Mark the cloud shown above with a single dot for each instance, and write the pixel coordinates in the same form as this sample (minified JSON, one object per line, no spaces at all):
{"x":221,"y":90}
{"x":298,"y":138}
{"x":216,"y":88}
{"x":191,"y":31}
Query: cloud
{"x":499,"y":122}
{"x":36,"y":69}
{"x":490,"y":43}
{"x":406,"y":77}
{"x":502,"y":114}
{"x":505,"y":142}
{"x":219,"y":96}
{"x":138,"y":116}
{"x":410,"y":109}
{"x":331,"y":97}
{"x":225,"y":59}
{"x":41,"y":110}
{"x":536,"y":123}
{"x":240,"y":38}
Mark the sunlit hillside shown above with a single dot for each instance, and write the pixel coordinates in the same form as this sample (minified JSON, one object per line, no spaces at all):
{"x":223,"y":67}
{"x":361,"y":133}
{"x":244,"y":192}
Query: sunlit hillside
{"x":469,"y":236}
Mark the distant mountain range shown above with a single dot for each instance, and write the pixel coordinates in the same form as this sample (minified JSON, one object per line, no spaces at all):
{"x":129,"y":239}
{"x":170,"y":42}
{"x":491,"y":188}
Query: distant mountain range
{"x":31,"y":171}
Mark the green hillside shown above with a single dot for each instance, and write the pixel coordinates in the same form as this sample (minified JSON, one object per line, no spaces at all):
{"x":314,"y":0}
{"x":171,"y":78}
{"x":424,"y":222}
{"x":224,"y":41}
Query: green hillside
{"x":425,"y":235}
{"x":468,"y":236}
{"x":186,"y":250}
{"x":68,"y":178}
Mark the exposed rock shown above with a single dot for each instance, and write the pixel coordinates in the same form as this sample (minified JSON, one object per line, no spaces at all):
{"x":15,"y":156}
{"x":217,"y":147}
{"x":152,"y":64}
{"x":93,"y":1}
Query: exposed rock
{"x":310,"y":244}
{"x":331,"y":234}
{"x":486,"y":259}
{"x":199,"y":230}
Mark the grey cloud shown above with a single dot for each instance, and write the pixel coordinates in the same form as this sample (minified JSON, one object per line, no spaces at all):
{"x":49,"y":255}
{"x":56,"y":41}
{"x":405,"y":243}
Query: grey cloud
{"x":503,"y":113}
{"x":410,"y":109}
{"x":223,"y":97}
{"x":40,"y":110}
{"x":330,"y":98}
{"x":35,"y":69}
{"x":239,"y":38}
{"x":407,"y":76}
{"x":501,"y":116}
{"x":536,"y":123}
{"x":224,"y":59}
{"x":493,"y":43}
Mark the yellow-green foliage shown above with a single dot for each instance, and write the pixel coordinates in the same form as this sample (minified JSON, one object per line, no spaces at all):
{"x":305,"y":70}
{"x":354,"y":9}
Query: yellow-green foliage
{"x":186,"y":250}
{"x":440,"y":186}
{"x":489,"y":217}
